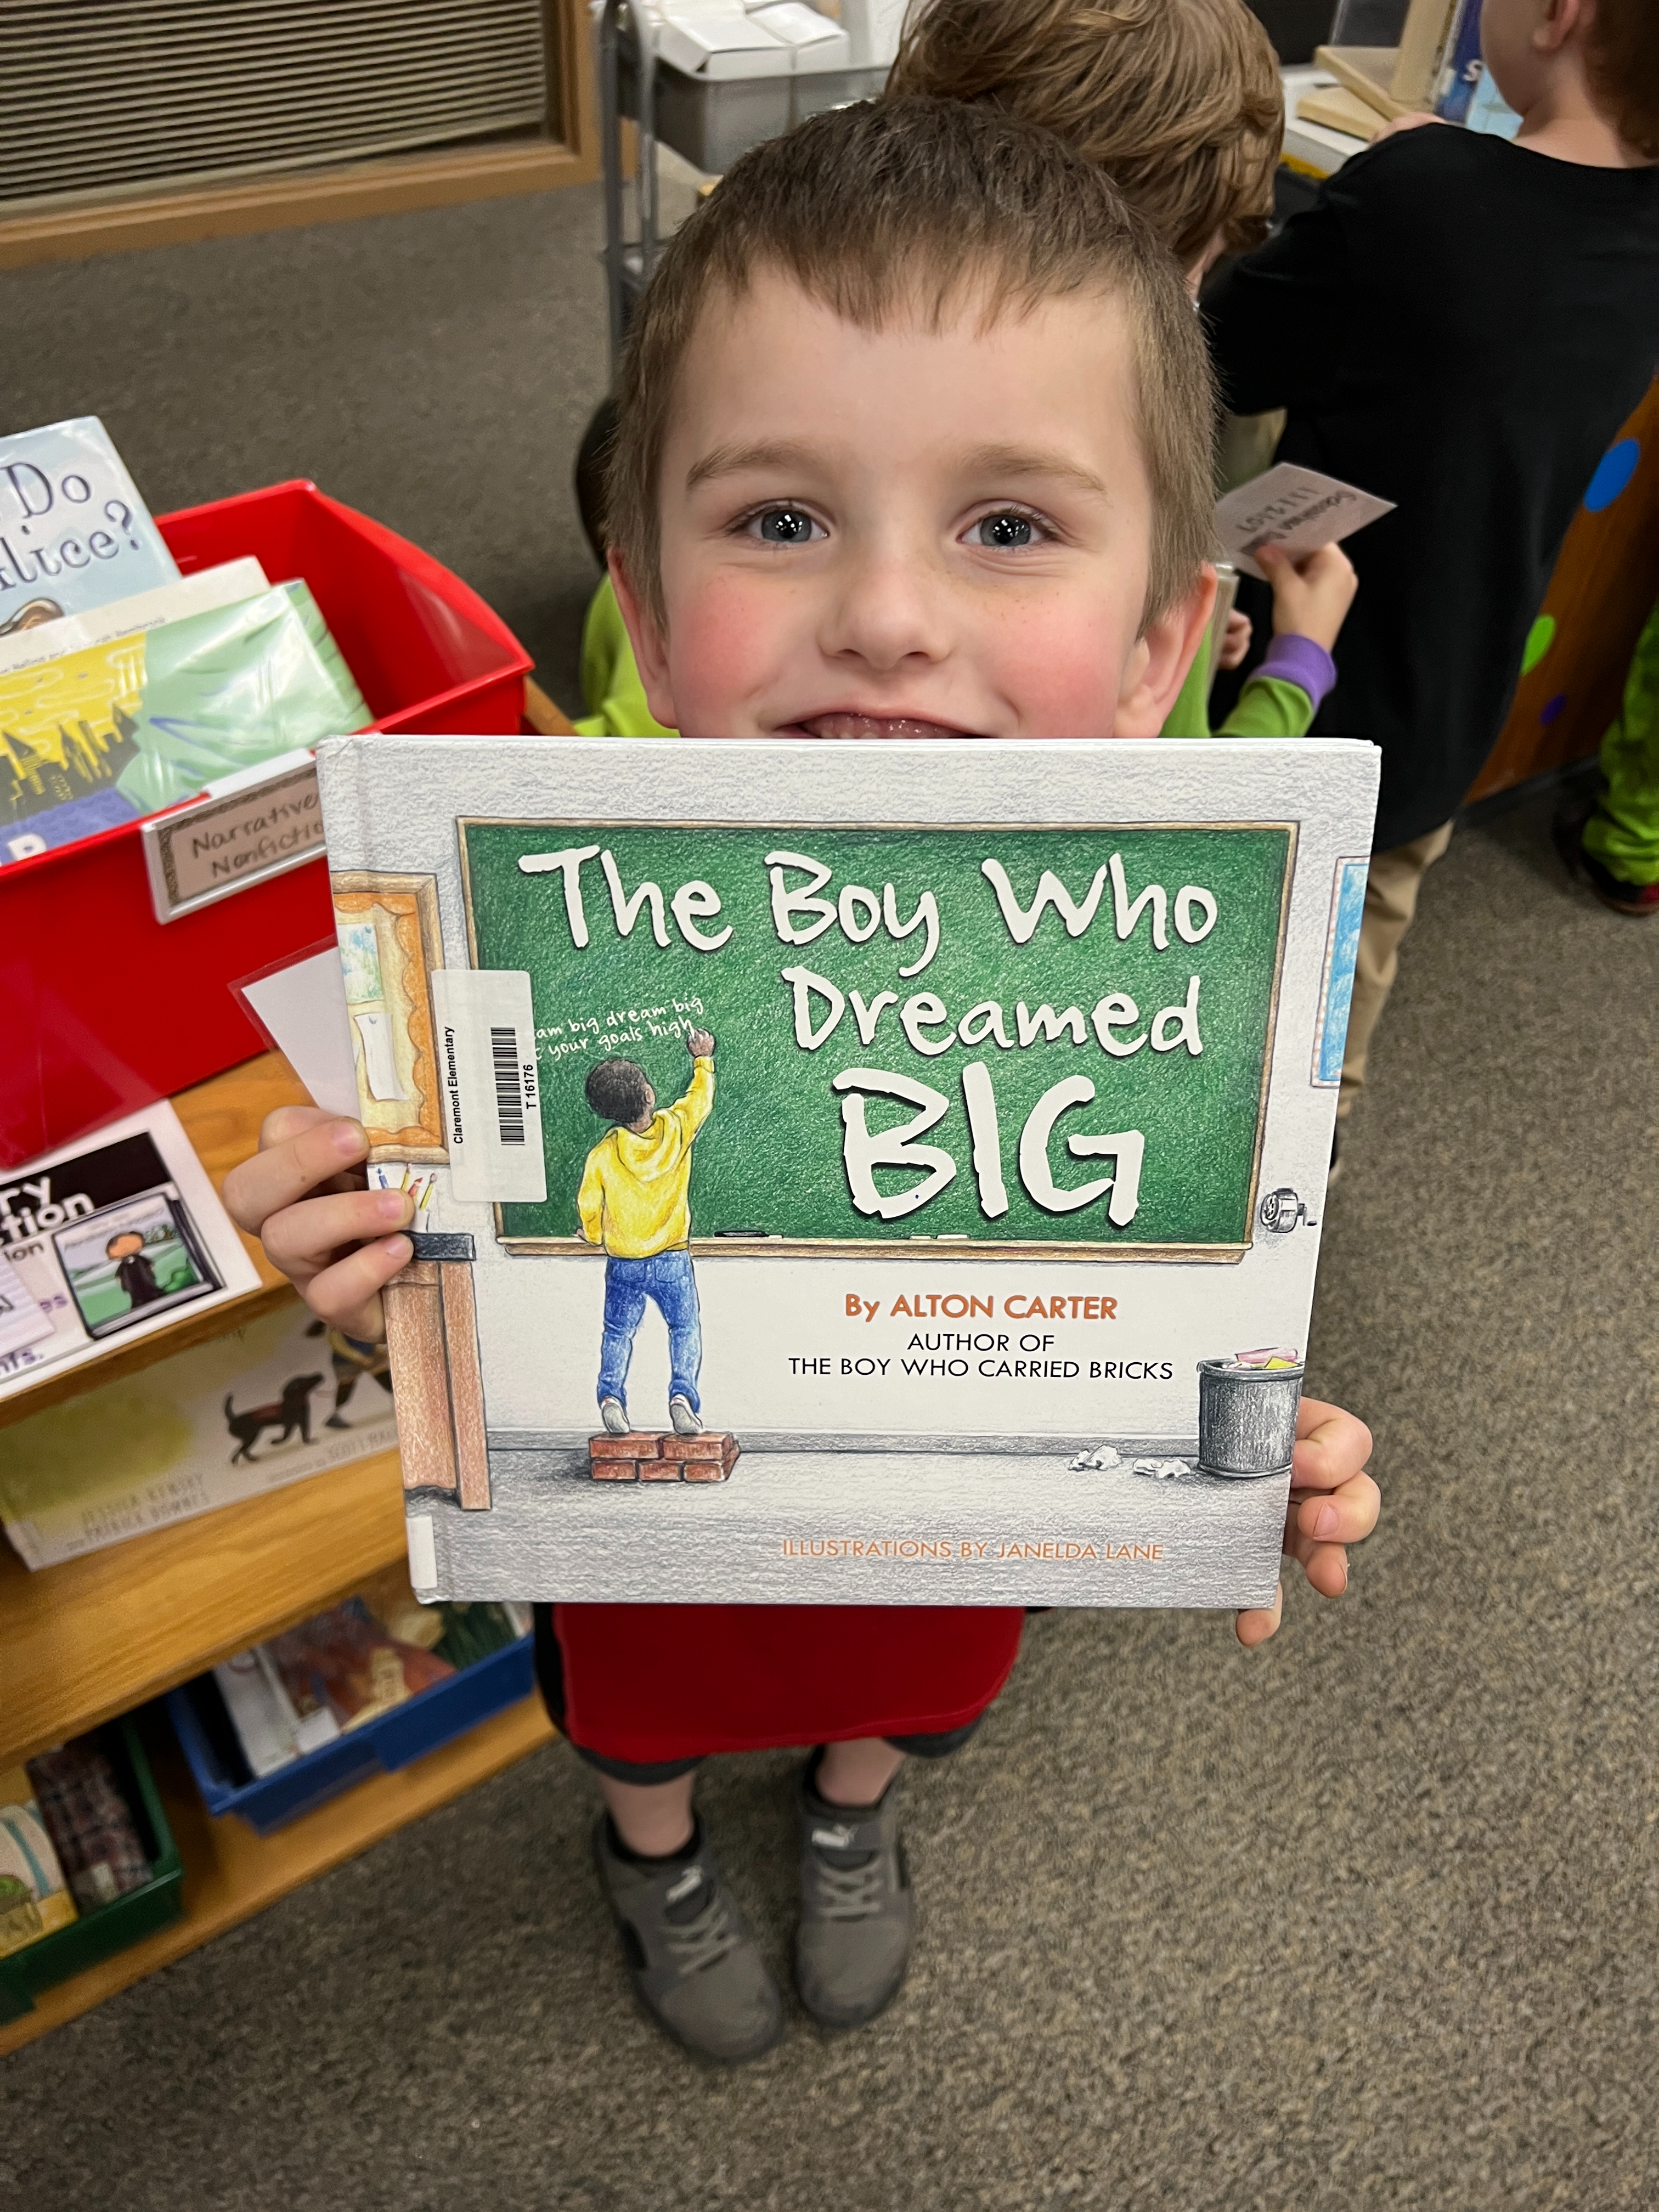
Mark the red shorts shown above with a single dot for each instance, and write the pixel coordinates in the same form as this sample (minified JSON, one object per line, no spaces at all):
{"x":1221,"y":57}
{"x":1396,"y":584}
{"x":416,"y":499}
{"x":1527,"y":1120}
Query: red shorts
{"x":649,"y":1685}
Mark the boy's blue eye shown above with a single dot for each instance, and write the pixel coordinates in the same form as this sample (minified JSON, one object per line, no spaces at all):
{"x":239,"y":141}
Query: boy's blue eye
{"x":783,"y":526}
{"x":1004,"y":532}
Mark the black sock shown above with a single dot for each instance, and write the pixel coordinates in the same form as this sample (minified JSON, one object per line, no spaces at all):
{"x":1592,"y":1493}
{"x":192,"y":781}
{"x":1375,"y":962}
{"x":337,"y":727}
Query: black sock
{"x":687,"y":1850}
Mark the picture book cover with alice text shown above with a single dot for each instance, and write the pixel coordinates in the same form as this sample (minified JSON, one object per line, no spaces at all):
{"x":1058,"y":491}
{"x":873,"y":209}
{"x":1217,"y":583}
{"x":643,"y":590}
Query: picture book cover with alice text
{"x":879,"y":1175}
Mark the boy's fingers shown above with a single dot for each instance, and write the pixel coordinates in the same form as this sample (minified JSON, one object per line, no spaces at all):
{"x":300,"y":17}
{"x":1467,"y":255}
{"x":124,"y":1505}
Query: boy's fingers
{"x":347,"y":1295}
{"x":1346,"y":1515}
{"x":1257,"y":1623}
{"x":293,"y":1165}
{"x":303,"y":1239}
{"x":289,"y":1122}
{"x":1331,"y":1446}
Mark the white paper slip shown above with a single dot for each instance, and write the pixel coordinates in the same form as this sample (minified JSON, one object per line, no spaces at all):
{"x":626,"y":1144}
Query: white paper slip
{"x":22,"y":1321}
{"x":303,"y":1009}
{"x":1297,"y":508}
{"x":487,"y":1078}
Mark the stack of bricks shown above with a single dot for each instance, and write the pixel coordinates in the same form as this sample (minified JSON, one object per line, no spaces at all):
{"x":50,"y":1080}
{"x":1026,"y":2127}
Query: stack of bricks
{"x":643,"y":1455}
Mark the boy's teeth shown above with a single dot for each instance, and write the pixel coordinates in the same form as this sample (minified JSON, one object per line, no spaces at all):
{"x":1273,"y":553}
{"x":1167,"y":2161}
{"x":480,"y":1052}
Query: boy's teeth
{"x":873,"y":725}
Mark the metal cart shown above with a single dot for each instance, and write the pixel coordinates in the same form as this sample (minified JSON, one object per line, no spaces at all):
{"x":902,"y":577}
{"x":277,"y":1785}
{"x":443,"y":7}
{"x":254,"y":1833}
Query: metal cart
{"x":708,"y":125}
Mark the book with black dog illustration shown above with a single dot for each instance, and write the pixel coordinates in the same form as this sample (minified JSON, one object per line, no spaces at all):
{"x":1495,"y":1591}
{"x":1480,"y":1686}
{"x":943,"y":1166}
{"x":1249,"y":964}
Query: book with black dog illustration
{"x":849,"y":1174}
{"x":269,"y":1404}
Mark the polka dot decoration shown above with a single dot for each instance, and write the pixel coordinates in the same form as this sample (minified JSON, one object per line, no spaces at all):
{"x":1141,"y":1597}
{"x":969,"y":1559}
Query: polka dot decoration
{"x":1553,"y":713}
{"x":1540,"y":638}
{"x":1613,"y":474}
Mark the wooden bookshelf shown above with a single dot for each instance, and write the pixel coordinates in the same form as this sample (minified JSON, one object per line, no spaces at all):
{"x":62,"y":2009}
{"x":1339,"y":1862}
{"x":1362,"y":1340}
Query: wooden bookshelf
{"x":100,"y":1635}
{"x":93,"y":1637}
{"x":230,"y":1873}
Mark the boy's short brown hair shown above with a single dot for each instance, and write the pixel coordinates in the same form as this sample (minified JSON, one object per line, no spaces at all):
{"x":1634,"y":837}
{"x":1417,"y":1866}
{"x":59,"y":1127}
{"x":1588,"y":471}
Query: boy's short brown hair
{"x":923,"y":206}
{"x":1623,"y":52}
{"x":1178,"y":101}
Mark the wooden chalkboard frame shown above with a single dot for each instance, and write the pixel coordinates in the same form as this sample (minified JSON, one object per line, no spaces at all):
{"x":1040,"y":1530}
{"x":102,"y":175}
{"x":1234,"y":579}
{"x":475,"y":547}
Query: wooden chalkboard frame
{"x":911,"y":1247}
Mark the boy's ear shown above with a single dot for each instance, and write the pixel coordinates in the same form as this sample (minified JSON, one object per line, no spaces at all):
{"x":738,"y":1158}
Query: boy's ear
{"x":650,"y":652}
{"x":1561,"y":18}
{"x":1157,"y":668}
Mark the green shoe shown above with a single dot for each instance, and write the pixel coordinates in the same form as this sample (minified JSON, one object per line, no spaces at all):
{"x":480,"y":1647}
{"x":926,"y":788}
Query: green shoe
{"x":694,"y":1963}
{"x":857,"y":1914}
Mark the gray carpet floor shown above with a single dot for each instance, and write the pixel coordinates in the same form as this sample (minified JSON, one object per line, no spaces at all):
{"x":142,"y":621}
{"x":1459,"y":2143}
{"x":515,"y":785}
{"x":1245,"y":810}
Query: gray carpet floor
{"x":1368,"y":1919}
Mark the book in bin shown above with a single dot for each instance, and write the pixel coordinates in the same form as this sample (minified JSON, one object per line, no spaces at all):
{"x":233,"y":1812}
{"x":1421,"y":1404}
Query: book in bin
{"x":875,"y":1176}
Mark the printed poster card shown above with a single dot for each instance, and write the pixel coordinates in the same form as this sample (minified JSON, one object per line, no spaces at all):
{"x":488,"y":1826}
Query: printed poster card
{"x":876,"y":1175}
{"x":107,"y":1240}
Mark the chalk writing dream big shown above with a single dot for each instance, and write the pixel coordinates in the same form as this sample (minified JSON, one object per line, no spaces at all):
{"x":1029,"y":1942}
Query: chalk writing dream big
{"x":848,"y":1174}
{"x":1011,"y":1037}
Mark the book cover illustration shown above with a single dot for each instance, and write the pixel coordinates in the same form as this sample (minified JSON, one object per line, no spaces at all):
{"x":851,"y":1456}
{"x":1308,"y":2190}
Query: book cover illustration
{"x":74,"y":532}
{"x":872,"y":1176}
{"x":102,"y":735}
{"x":34,"y":1898}
{"x":269,"y":1404}
{"x":103,"y":1242}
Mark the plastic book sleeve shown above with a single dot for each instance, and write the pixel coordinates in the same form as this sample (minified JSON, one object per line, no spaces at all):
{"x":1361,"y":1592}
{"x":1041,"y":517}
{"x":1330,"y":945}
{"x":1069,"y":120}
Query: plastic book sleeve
{"x":232,"y":689}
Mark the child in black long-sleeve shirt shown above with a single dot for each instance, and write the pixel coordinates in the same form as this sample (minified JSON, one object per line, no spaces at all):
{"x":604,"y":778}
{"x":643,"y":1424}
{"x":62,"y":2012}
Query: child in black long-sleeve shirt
{"x":1461,"y":325}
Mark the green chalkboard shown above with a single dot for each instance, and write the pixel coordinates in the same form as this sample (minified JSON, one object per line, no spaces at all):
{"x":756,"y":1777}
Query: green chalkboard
{"x":789,"y":1153}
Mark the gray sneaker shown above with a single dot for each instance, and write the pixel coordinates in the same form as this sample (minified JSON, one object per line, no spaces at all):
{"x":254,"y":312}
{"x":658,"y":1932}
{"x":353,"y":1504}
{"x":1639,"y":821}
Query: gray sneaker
{"x":856,"y":1909}
{"x":614,"y":1414}
{"x":694,"y":1966}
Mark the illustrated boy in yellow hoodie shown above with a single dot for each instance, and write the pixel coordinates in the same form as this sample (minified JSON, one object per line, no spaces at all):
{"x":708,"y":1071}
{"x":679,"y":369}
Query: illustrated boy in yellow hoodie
{"x":635,"y":1201}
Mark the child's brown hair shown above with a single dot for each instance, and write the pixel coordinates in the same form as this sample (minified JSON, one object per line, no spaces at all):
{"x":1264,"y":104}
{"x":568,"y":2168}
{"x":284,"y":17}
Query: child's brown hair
{"x":1622,"y":49}
{"x":919,"y":206}
{"x":1179,"y":101}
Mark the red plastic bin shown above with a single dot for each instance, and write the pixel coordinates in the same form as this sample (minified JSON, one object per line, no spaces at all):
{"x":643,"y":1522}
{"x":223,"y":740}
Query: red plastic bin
{"x":106,"y":1008}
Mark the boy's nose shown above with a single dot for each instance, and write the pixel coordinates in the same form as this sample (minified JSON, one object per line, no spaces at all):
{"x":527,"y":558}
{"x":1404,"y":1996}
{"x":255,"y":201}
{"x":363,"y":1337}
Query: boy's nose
{"x":884,"y":610}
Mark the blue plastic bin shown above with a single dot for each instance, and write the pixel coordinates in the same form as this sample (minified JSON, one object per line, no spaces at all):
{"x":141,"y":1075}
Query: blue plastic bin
{"x":408,"y":1732}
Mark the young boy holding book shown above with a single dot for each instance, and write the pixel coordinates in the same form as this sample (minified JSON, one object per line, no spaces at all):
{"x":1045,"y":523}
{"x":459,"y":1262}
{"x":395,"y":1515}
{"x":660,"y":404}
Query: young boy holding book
{"x":1181,"y":106}
{"x":1461,"y":325}
{"x":915,"y":445}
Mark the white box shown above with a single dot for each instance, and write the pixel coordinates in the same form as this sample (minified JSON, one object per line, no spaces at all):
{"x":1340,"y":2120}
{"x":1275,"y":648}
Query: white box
{"x":817,"y":43}
{"x":716,"y":40}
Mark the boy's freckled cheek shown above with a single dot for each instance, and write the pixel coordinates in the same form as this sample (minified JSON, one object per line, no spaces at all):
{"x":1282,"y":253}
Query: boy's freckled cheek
{"x":1059,"y":666}
{"x":726,"y":637}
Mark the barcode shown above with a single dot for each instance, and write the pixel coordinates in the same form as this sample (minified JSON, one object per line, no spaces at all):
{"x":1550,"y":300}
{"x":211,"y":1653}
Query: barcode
{"x":509,"y":1098}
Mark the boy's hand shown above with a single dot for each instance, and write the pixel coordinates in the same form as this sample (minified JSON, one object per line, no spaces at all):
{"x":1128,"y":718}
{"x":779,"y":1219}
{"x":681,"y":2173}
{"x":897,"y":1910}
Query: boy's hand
{"x":1235,"y":641}
{"x":700,"y":1043}
{"x":300,"y":1196}
{"x":1334,"y":1503}
{"x":1311,"y":596}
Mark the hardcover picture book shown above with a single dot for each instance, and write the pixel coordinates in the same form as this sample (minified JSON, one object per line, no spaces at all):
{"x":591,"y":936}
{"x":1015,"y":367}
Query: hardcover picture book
{"x":281,"y":1399}
{"x":74,"y":532}
{"x":851,"y":1175}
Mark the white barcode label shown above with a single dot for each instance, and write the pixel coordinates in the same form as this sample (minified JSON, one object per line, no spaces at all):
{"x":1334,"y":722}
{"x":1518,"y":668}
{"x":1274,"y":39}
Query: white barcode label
{"x":487,"y":1078}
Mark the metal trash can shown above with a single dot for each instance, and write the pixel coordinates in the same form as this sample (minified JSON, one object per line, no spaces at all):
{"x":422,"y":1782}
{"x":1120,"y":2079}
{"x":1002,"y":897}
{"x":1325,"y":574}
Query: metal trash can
{"x":1246,"y":1419}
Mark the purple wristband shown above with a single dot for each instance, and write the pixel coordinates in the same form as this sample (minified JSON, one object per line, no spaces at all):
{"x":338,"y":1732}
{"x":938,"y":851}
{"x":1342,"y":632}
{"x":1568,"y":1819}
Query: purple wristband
{"x":1300,"y":661}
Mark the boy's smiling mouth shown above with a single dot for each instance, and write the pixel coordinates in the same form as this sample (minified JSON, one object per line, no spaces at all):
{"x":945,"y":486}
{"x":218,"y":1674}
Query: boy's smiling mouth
{"x":844,"y":723}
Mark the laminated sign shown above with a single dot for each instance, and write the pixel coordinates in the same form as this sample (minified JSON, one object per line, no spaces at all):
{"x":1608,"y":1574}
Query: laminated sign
{"x":861,"y":1175}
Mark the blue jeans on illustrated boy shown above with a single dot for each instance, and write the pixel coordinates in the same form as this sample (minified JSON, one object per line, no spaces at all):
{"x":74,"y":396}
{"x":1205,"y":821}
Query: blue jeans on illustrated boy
{"x":667,"y":1280}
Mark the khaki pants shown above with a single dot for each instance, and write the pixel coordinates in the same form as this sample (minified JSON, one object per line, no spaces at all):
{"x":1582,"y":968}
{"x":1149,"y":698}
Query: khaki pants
{"x":1391,"y":890}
